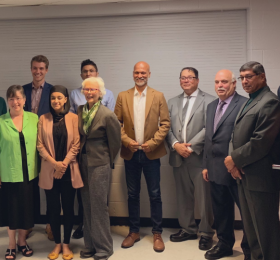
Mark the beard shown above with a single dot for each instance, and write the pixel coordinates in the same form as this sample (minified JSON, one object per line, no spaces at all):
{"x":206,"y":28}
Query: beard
{"x":141,"y":83}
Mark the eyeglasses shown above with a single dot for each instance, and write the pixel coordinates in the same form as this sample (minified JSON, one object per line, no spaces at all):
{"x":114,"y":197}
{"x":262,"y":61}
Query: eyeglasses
{"x":90,"y":89}
{"x":187,"y":78}
{"x":248,"y":77}
{"x":14,"y":99}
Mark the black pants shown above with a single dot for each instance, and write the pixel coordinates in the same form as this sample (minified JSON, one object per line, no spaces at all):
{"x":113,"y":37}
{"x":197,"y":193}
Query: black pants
{"x":80,"y":212}
{"x":64,"y":190}
{"x":223,"y":199}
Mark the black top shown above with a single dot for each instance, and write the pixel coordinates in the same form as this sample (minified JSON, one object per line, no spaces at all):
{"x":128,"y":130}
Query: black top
{"x":60,"y":144}
{"x":24,"y":158}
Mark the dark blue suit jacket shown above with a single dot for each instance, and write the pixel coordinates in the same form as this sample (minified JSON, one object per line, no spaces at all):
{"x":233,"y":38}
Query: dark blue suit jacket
{"x":44,"y":106}
{"x":217,"y":144}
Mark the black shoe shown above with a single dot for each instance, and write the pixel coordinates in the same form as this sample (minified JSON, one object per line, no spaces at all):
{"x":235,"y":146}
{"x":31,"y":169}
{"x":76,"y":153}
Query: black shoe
{"x":205,"y":243}
{"x":78,"y":233}
{"x":182,"y":236}
{"x":218,"y":252}
{"x":247,"y":257}
{"x":87,"y":254}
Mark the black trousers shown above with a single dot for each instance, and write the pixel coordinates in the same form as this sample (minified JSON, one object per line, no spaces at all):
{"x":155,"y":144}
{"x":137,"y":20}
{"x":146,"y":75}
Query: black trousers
{"x":223,"y":199}
{"x":261,"y":222}
{"x":61,"y":190}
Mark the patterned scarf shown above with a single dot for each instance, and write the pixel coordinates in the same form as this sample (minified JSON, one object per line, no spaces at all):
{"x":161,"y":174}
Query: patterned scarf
{"x":88,"y":115}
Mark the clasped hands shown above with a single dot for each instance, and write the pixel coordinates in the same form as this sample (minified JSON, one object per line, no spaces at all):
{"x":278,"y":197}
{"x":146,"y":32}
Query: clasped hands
{"x":60,"y":168}
{"x":234,"y":171}
{"x":183,"y":149}
{"x":134,"y":146}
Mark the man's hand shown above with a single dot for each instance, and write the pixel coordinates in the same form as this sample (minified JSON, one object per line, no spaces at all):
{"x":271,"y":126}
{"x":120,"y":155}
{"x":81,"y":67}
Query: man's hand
{"x":60,"y":167}
{"x":229,"y":163}
{"x":133,"y":146}
{"x":146,"y":148}
{"x":205,"y":175}
{"x":235,"y":173}
{"x":182,"y":149}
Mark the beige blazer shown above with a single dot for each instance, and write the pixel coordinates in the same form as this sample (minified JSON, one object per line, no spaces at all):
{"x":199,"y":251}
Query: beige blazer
{"x":157,"y":122}
{"x":45,"y":146}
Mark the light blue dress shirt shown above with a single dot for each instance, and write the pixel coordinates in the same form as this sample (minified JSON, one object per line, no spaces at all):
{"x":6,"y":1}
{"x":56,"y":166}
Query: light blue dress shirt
{"x":77,"y":99}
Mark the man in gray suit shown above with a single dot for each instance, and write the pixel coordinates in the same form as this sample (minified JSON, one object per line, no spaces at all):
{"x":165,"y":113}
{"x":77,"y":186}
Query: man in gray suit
{"x":254,"y":148}
{"x":221,"y":115}
{"x":186,"y":141}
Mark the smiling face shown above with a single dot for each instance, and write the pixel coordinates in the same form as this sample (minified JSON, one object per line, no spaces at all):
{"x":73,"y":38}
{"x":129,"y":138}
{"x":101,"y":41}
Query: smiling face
{"x":58,"y":101}
{"x":224,"y":86}
{"x":188,"y":81}
{"x":16,"y":103}
{"x":141,"y":73}
{"x":39,"y":71}
{"x":91,"y":92}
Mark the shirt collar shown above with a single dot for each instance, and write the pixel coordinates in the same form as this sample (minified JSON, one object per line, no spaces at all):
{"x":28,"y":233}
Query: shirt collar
{"x":42,"y":85}
{"x":228,"y":100}
{"x":194,"y":94}
{"x":136,"y":93}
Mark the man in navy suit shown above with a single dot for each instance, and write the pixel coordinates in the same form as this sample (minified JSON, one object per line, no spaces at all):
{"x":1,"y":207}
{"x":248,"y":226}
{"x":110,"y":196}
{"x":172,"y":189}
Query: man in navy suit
{"x":37,"y":92}
{"x":221,"y":115}
{"x":37,"y":101}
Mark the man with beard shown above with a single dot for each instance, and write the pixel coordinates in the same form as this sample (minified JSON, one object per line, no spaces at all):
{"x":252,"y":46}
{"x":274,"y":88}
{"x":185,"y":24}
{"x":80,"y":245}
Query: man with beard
{"x":143,"y":114}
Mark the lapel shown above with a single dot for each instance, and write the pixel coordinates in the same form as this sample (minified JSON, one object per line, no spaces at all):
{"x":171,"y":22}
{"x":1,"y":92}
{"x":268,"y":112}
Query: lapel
{"x":25,"y":120}
{"x":149,"y":100}
{"x":253,"y":103}
{"x":197,"y":103}
{"x":49,"y":133}
{"x":68,"y":125}
{"x":129,"y":101}
{"x":96,"y":118}
{"x":212,"y":113}
{"x":80,"y":121}
{"x":44,"y":97}
{"x":9,"y":121}
{"x":28,"y":91}
{"x":230,"y":107}
{"x":180,"y":106}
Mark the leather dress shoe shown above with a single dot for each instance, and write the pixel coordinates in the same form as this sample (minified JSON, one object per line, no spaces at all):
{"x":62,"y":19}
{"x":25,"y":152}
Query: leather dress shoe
{"x":182,"y":236}
{"x":130,"y":240}
{"x":218,"y":252}
{"x":158,"y":243}
{"x":247,"y":257}
{"x":78,"y":233}
{"x":205,"y":243}
{"x":87,"y":254}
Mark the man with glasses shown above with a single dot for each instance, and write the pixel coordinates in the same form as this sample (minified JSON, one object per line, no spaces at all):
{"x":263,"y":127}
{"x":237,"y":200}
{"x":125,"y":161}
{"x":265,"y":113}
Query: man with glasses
{"x":186,"y":141}
{"x":253,"y":149}
{"x":88,"y":69}
{"x":220,"y":118}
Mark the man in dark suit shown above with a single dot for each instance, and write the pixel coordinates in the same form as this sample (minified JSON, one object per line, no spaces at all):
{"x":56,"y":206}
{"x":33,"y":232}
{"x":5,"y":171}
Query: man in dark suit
{"x":37,"y":92}
{"x":253,"y":150}
{"x":221,"y":115}
{"x":37,"y":101}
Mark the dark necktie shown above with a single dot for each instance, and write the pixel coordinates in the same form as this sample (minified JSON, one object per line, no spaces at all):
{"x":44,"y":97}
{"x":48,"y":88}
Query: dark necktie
{"x":219,"y":114}
{"x":185,"y":109}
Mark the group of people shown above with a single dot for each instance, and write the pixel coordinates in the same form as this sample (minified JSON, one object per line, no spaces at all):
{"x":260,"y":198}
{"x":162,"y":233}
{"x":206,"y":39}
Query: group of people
{"x":222,"y":151}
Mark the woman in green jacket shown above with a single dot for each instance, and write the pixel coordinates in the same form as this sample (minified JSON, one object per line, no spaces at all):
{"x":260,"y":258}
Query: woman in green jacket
{"x":18,"y":170}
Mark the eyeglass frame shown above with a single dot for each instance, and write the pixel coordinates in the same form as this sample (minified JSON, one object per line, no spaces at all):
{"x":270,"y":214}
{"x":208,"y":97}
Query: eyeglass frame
{"x":189,"y":78}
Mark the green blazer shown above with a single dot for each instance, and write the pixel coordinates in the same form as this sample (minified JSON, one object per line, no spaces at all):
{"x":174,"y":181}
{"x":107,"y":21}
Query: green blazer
{"x":3,"y":107}
{"x":10,"y":151}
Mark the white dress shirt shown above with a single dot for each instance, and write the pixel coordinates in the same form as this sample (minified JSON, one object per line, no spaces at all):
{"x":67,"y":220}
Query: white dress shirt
{"x":139,"y":108}
{"x":188,"y":113}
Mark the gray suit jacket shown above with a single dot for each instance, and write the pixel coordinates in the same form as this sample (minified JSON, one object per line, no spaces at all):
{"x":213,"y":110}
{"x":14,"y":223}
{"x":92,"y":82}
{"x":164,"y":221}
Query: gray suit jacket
{"x":103,"y":141}
{"x":256,"y":142}
{"x":195,"y":127}
{"x":217,"y":143}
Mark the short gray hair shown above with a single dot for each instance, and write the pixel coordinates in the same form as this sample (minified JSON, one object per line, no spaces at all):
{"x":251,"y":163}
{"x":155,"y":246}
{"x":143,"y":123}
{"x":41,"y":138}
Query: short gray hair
{"x":255,"y":66}
{"x":97,"y":80}
{"x":233,"y":78}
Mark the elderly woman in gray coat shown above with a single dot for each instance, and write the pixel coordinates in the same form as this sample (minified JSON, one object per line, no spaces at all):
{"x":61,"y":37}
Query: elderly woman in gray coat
{"x":100,"y":133}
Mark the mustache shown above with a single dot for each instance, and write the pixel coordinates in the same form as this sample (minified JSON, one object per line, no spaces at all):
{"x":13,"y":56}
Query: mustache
{"x":139,"y":78}
{"x":221,"y":89}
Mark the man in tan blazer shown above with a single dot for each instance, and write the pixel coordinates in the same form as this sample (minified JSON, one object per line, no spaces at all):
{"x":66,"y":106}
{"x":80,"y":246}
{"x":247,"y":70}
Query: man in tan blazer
{"x":144,"y":117}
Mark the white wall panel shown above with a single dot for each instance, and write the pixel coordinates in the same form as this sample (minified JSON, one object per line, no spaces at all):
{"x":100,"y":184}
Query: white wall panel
{"x":208,"y":41}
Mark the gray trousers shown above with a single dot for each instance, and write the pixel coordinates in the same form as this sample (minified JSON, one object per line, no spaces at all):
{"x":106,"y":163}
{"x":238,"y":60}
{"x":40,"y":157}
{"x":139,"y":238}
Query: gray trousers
{"x":191,"y":187}
{"x":97,"y":235}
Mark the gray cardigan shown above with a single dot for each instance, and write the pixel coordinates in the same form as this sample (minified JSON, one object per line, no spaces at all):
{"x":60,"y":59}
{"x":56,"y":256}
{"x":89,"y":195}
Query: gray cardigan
{"x":104,"y":137}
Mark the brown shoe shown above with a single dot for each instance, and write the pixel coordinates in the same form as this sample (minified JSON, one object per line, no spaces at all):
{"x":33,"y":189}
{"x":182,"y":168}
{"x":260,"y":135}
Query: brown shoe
{"x":130,"y":240}
{"x":49,"y":232}
{"x":158,"y":243}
